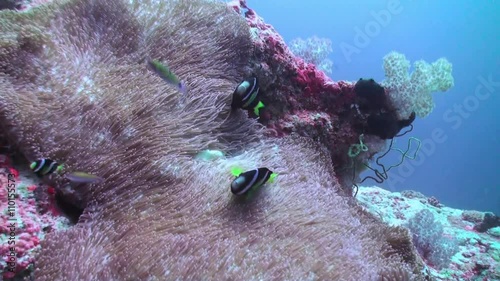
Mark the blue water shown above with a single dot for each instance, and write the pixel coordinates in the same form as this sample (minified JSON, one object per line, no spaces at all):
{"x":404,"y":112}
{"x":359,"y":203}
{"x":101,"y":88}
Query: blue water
{"x":459,"y":166}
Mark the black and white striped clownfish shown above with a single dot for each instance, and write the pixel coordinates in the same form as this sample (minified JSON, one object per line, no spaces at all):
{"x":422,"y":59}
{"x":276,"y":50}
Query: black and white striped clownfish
{"x":44,"y":167}
{"x":246,"y":96}
{"x":250,"y":180}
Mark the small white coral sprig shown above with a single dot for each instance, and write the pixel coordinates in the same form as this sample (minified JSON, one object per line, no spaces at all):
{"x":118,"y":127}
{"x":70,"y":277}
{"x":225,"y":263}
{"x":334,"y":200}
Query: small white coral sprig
{"x":314,"y":50}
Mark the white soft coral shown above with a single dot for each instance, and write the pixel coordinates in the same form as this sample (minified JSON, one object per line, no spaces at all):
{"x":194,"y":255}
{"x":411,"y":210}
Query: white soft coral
{"x":413,"y":92}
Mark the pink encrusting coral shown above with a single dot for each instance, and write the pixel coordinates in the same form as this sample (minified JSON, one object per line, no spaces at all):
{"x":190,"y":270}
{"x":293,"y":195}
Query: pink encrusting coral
{"x":23,"y":224}
{"x":314,"y":50}
{"x":277,"y":61}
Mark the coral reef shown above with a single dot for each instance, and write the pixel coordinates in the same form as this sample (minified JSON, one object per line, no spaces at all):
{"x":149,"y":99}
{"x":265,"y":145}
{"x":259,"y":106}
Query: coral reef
{"x":488,"y":221}
{"x":314,"y":50}
{"x":429,"y":239}
{"x":81,"y":93}
{"x":441,"y":234}
{"x":74,"y":86}
{"x":301,"y":99}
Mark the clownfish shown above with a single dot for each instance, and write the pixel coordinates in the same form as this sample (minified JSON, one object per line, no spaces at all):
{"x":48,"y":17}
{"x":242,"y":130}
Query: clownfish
{"x":44,"y":166}
{"x":244,"y":182}
{"x":246,"y":96}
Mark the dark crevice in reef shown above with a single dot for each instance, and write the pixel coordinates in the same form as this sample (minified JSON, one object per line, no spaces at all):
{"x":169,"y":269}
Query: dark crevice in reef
{"x":9,"y":4}
{"x":71,"y":211}
{"x":7,"y":149}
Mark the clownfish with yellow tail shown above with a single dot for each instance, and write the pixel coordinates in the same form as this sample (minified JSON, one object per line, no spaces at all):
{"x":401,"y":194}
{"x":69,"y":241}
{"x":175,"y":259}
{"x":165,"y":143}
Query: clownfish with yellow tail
{"x":246,"y":96}
{"x":44,"y":167}
{"x":250,"y":180}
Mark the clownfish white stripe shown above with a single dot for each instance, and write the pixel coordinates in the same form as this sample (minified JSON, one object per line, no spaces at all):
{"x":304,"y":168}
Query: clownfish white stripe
{"x":263,"y":179}
{"x":251,"y":90}
{"x":250,"y":184}
{"x":252,"y":98}
{"x":40,"y":166}
{"x":52,"y":167}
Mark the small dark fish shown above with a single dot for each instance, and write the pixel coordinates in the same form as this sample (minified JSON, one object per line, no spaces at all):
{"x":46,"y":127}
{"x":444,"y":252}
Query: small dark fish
{"x":45,"y":166}
{"x":249,"y":180}
{"x":246,"y":96}
{"x":82,"y":177}
{"x":166,"y":74}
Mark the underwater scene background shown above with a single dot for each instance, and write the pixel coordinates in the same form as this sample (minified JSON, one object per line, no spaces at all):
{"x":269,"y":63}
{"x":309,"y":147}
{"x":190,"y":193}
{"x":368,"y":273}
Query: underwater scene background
{"x":462,"y":171}
{"x":249,"y":140}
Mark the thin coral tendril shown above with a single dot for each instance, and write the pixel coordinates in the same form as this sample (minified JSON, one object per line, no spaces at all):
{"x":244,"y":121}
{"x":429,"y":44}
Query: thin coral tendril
{"x":355,"y":149}
{"x":382,"y":175}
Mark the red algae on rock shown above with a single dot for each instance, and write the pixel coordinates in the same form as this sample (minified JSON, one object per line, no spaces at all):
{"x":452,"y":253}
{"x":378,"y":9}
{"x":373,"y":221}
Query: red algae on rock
{"x":24,"y":223}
